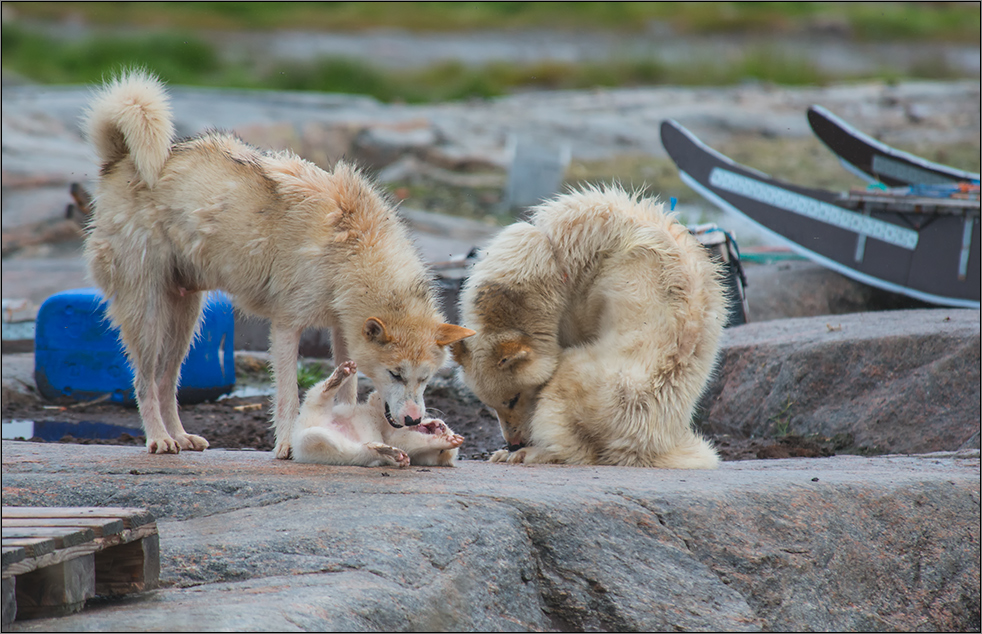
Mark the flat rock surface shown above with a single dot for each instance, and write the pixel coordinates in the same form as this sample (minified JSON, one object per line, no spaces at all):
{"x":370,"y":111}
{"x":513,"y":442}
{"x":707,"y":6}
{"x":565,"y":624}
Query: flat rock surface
{"x":251,"y":543}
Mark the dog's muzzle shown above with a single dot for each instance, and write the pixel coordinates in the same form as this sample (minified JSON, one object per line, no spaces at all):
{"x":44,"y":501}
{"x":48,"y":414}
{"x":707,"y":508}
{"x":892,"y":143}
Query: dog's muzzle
{"x":409,"y":422}
{"x":514,"y":448}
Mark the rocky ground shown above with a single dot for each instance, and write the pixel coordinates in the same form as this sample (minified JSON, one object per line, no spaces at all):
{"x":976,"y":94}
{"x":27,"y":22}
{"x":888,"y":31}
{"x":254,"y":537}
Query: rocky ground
{"x":249,"y":542}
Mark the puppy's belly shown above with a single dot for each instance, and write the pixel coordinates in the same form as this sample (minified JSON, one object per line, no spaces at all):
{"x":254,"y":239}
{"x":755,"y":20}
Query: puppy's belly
{"x":347,"y":423}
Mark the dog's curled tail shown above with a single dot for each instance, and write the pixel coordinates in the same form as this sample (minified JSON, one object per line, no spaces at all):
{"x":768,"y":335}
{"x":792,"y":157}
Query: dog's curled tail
{"x":131,"y":116}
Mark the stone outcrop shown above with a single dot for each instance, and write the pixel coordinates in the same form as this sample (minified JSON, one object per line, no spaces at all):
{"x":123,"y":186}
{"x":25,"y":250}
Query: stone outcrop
{"x":898,"y":381}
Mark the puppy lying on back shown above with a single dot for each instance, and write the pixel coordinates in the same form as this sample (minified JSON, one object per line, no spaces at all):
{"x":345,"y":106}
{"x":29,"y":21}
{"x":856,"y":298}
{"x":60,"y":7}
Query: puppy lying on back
{"x":359,"y":434}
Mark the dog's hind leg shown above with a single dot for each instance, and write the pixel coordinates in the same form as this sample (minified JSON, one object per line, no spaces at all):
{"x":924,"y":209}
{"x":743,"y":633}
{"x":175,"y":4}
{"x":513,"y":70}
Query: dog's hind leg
{"x":338,"y":379}
{"x":284,"y":343}
{"x":322,"y":445}
{"x":143,"y":331}
{"x":339,"y":349}
{"x":318,"y":403}
{"x":184,"y":311}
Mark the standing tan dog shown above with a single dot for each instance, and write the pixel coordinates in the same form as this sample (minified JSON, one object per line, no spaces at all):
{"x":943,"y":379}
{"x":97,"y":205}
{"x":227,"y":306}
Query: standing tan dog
{"x":598,"y":327}
{"x":289,"y":241}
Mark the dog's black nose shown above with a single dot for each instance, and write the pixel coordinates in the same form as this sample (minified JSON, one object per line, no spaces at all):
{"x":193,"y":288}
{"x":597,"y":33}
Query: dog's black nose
{"x":412,"y":422}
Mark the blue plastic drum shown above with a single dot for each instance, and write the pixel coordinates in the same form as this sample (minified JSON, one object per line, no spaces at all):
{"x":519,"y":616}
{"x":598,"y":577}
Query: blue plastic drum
{"x":78,"y":354}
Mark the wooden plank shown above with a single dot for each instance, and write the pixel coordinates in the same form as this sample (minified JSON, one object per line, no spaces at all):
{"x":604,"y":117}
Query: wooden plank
{"x":13,"y":554}
{"x":9,"y":610}
{"x":101,"y":526}
{"x":34,"y":547}
{"x":57,"y":556}
{"x":64,"y":536}
{"x":132,"y":517}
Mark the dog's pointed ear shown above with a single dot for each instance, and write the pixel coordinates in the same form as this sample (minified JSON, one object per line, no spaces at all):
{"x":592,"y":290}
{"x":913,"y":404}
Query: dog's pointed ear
{"x":512,"y":352}
{"x":375,"y":331}
{"x":460,"y":352}
{"x":447,"y":334}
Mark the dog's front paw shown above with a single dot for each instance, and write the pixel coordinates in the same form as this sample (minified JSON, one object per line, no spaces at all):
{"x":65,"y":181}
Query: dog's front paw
{"x":500,"y":456}
{"x":525,"y":455}
{"x":392,"y":455}
{"x":163,"y":444}
{"x":192,"y":442}
{"x":519,"y":457}
{"x":282,"y":451}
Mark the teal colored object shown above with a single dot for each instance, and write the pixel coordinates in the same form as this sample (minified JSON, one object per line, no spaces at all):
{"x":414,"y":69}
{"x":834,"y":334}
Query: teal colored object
{"x":78,"y":354}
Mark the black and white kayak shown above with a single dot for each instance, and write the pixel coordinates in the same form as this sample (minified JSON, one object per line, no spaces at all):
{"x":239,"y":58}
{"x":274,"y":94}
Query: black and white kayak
{"x":926,"y":248}
{"x":874,"y":161}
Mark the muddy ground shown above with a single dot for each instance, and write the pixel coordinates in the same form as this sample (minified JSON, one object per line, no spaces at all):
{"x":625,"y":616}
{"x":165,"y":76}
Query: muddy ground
{"x":243,"y":423}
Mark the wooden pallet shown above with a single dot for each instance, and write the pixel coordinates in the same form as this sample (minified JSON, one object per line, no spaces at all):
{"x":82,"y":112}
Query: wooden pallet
{"x":56,"y":558}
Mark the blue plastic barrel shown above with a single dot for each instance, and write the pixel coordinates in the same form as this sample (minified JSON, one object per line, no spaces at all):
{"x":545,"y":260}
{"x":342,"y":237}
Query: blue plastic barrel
{"x":78,"y":354}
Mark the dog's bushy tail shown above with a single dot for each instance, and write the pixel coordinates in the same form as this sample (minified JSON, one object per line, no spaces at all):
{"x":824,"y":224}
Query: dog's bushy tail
{"x":131,"y":116}
{"x":693,"y":453}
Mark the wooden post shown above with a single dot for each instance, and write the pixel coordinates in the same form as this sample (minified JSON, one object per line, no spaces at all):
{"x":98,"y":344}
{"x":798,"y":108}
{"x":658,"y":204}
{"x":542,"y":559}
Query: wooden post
{"x":132,"y":567}
{"x":56,"y":590}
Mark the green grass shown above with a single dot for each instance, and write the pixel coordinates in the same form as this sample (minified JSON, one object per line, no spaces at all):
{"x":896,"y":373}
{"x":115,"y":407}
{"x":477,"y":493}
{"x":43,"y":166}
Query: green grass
{"x":177,"y":50}
{"x":180,"y":58}
{"x":185,"y":58}
{"x":310,"y":374}
{"x":861,"y":20}
{"x":782,"y":420}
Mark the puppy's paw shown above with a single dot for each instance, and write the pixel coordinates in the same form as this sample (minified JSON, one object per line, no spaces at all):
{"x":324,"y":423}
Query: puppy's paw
{"x":452,"y":440}
{"x":341,"y":374}
{"x":191,"y":442}
{"x":432,"y":426}
{"x":163,"y":444}
{"x":347,"y":368}
{"x":392,"y":455}
{"x":282,"y":451}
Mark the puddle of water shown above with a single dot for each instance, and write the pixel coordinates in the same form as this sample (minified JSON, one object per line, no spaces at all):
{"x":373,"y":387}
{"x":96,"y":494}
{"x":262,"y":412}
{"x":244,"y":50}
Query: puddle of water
{"x":53,"y":431}
{"x":247,"y":391}
{"x":17,"y":331}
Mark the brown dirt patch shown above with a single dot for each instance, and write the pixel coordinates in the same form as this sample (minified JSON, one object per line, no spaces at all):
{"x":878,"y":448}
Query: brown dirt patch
{"x":243,"y":423}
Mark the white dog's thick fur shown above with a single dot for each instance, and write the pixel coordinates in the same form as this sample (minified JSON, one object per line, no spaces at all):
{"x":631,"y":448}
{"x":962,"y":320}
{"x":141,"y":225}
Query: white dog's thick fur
{"x":358,"y":434}
{"x":598,"y":327}
{"x":289,"y":241}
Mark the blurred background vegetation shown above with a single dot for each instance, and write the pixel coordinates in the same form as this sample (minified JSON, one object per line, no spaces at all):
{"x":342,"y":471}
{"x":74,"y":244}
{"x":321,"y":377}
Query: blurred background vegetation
{"x":82,"y":42}
{"x":233,"y":45}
